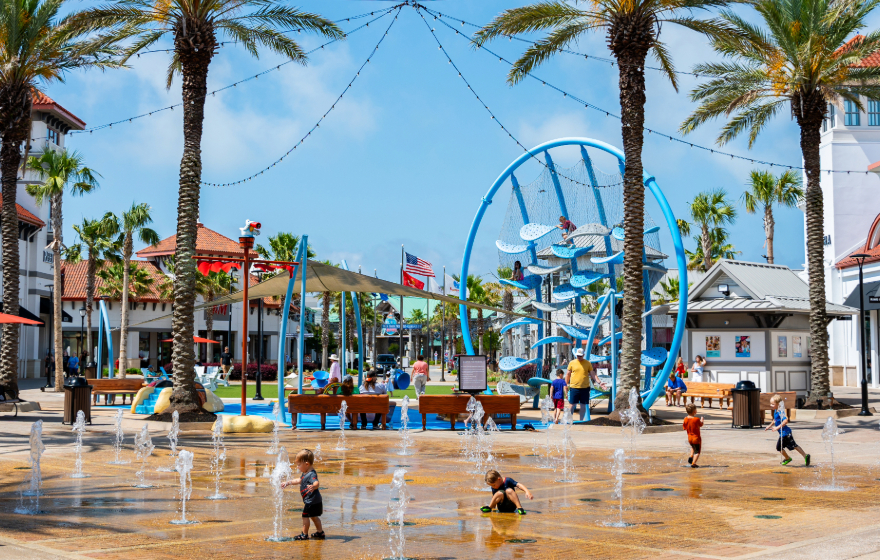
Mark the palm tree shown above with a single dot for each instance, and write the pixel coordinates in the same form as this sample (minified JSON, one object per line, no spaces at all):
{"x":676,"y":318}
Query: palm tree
{"x":282,"y":247}
{"x":709,"y":210}
{"x":633,"y":31}
{"x":98,"y":238}
{"x":115,"y":279}
{"x":195,"y":26}
{"x":59,"y":171}
{"x":134,"y":222}
{"x":668,"y":291}
{"x":37,"y":47}
{"x":417,"y":317}
{"x":504,"y":294}
{"x":801,"y":57}
{"x":766,"y":190}
{"x":211,"y":287}
{"x":719,"y":248}
{"x":477,"y":294}
{"x":325,"y":324}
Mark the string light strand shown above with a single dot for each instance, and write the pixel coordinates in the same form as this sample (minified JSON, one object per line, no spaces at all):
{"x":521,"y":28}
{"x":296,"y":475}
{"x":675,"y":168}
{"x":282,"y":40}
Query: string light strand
{"x":324,"y":116}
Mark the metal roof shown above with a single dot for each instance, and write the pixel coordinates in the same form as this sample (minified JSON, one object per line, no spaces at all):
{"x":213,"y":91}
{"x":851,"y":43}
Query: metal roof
{"x":760,"y":280}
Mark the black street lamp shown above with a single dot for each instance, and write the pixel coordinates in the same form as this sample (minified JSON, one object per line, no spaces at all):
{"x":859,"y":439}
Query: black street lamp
{"x":860,"y":258}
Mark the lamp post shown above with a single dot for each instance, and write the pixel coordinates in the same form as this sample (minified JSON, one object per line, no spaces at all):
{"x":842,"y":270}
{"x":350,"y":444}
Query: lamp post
{"x":860,"y":258}
{"x":82,"y":329}
{"x":50,"y":356}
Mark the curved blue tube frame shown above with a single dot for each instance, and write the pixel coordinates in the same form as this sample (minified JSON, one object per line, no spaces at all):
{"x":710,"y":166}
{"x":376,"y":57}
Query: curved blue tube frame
{"x":104,"y":328}
{"x":650,"y":183}
{"x":285,"y":314}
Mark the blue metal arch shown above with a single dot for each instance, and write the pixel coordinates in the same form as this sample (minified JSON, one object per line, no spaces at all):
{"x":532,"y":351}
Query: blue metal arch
{"x":650,"y":183}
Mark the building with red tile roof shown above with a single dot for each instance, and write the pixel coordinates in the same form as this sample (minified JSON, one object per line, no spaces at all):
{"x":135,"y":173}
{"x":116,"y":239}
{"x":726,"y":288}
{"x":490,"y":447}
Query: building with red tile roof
{"x":208,"y":243}
{"x":26,"y":216}
{"x":75,"y":279}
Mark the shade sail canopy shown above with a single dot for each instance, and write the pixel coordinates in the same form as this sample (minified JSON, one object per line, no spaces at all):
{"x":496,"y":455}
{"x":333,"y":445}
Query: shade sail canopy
{"x":326,"y":278}
{"x":30,"y":318}
{"x":7,"y":319}
{"x":195,"y":339}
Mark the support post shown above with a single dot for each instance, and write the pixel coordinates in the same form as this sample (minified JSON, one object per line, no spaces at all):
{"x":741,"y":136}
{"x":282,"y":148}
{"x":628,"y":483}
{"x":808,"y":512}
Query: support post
{"x":246,"y":243}
{"x":302,"y":313}
{"x":285,"y":316}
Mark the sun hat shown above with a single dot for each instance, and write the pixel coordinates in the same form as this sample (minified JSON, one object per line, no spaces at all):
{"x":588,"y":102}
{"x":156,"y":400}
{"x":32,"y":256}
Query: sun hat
{"x":334,"y":357}
{"x":579,"y":352}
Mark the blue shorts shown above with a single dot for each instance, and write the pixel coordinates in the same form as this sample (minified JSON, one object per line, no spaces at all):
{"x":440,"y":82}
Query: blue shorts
{"x":578,"y":396}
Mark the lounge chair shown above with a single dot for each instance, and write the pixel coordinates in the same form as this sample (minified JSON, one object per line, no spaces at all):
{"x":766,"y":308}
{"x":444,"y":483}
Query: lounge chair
{"x":224,"y":378}
{"x":525,"y":392}
{"x":209,"y":380}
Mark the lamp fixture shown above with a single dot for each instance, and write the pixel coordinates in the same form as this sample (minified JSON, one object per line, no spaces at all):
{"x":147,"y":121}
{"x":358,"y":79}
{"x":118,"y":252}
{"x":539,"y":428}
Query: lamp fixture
{"x":724,"y":289}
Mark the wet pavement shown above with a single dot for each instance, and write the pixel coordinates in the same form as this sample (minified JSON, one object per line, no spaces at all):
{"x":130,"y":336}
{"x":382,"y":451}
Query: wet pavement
{"x":736,"y":505}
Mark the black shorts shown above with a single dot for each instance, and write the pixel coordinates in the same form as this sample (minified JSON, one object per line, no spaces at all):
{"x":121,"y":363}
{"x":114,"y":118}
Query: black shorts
{"x":696,"y":447}
{"x":314,"y":509}
{"x":787,"y":442}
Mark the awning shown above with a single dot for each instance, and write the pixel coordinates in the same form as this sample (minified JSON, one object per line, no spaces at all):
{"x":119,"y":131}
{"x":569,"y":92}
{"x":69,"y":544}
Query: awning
{"x":871,"y":289}
{"x":46,"y":309}
{"x":326,"y":278}
{"x":24,"y":314}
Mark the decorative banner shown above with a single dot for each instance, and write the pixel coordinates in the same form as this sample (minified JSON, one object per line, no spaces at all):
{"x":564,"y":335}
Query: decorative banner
{"x":713,"y":346}
{"x":206,"y":267}
{"x":797,"y":350}
{"x":390,"y":326}
{"x":743,"y":347}
{"x":783,"y":346}
{"x":413,"y":282}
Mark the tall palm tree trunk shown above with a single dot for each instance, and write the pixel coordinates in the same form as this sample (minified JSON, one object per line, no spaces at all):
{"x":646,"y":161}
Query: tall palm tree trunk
{"x":127,"y":250}
{"x":15,"y":110}
{"x":194,"y":43}
{"x":325,"y":331}
{"x":629,"y":40}
{"x":57,"y":223}
{"x":769,"y":224}
{"x":90,"y":301}
{"x":706,"y":242}
{"x":809,"y":117}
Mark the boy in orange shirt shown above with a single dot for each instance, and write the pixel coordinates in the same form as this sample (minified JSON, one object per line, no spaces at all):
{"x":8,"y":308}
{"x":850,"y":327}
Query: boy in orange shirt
{"x":692,"y":426}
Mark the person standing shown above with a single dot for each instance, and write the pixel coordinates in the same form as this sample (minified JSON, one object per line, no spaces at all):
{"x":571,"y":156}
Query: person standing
{"x":578,"y":376}
{"x":225,"y":360}
{"x":697,"y":370}
{"x":421,"y":375}
{"x":73,"y":366}
{"x":517,"y":271}
{"x":335,"y":370}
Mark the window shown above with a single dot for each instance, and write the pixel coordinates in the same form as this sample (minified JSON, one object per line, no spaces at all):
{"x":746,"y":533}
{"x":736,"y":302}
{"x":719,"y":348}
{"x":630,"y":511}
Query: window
{"x":52,"y":135}
{"x":873,"y":112}
{"x":851,"y":110}
{"x":144,"y":348}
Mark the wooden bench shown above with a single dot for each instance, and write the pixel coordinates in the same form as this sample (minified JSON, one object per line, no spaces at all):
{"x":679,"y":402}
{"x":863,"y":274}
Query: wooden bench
{"x":113,"y":387}
{"x":453,"y":405}
{"x":330,"y":404}
{"x":789,"y":398}
{"x":708,"y":392}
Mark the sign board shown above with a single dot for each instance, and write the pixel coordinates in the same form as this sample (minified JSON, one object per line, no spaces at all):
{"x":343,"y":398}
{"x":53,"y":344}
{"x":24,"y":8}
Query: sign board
{"x":472,"y":374}
{"x":874,"y":299}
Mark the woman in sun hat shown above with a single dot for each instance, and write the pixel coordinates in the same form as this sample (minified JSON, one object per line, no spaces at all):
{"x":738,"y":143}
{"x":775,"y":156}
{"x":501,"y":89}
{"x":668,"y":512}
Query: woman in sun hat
{"x":335,"y":371}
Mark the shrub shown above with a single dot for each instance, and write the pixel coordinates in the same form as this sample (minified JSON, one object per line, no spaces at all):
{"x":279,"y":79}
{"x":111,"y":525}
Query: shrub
{"x":523,"y":374}
{"x":133,"y":371}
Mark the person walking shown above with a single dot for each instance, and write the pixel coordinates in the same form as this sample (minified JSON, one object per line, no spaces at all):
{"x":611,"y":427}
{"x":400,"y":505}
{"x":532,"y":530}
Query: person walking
{"x":421,"y":375}
{"x":225,"y":360}
{"x":578,"y":376}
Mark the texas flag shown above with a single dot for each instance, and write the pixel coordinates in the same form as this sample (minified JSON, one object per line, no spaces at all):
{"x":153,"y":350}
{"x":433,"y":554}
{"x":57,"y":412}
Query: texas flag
{"x":413,"y":282}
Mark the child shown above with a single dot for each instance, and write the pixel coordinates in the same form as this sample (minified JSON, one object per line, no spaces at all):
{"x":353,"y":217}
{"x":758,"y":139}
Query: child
{"x":504,"y":494}
{"x":785,"y":441}
{"x":557,"y":393}
{"x":567,"y":227}
{"x":692,"y":426}
{"x":313,"y":505}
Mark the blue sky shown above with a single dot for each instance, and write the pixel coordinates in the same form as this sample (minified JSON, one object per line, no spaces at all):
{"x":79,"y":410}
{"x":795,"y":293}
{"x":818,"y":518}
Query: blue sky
{"x":408,"y":152}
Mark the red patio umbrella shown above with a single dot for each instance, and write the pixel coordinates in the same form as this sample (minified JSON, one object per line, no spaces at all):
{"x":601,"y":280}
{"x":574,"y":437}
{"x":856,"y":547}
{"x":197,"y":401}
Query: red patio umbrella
{"x":5,"y":319}
{"x":195,"y":339}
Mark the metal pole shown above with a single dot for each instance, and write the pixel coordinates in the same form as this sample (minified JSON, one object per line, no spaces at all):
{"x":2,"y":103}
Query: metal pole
{"x":342,"y":336}
{"x":302,"y":314}
{"x":258,"y":395}
{"x":864,"y":411}
{"x":443,"y":332}
{"x":246,"y":243}
{"x":400,"y":323}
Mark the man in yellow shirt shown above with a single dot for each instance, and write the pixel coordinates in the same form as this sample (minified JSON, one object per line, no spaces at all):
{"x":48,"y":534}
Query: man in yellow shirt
{"x":580,"y":371}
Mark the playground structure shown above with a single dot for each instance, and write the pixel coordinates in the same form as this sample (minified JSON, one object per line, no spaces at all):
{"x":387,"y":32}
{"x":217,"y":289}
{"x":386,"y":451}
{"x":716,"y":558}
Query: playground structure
{"x":590,"y":260}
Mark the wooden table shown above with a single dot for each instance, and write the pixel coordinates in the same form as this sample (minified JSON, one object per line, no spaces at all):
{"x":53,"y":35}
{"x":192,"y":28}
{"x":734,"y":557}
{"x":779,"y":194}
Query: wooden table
{"x":330,"y":404}
{"x":457,"y":404}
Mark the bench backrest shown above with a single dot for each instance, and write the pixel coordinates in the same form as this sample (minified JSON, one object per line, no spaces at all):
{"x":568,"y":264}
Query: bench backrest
{"x":133,"y":384}
{"x":789,"y":398}
{"x":449,"y":404}
{"x":699,"y":386}
{"x":329,"y":404}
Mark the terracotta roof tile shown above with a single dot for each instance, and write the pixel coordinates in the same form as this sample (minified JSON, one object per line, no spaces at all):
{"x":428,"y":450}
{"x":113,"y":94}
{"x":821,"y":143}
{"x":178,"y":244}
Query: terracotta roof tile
{"x":75,"y":281}
{"x":43,"y":102}
{"x":872,"y":252}
{"x":867,"y":62}
{"x":25,"y":216}
{"x":208,"y":242}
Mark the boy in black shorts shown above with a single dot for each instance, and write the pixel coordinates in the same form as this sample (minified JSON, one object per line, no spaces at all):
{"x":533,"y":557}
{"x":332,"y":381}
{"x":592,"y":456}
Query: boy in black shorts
{"x":313,"y":505}
{"x":504,"y":494}
{"x":786,"y":439}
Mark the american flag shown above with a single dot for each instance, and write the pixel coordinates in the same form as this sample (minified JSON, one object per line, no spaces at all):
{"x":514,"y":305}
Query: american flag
{"x":415,"y":265}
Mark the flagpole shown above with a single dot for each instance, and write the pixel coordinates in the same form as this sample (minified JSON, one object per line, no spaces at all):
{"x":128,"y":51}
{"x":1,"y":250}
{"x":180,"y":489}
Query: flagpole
{"x":400,"y":323}
{"x":373,"y":349}
{"x":443,"y":332}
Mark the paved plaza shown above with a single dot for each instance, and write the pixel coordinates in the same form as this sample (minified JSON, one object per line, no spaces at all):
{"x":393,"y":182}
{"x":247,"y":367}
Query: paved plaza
{"x":740,"y":504}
